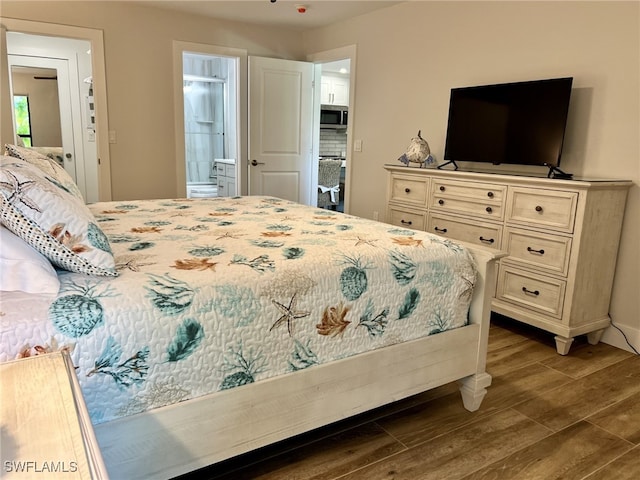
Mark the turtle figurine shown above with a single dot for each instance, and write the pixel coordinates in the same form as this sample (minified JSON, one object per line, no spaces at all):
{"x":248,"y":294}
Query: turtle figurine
{"x":418,"y":152}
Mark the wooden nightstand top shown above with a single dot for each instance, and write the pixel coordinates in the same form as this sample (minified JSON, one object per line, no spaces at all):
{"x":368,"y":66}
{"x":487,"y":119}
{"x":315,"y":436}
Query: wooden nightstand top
{"x":45,"y":427}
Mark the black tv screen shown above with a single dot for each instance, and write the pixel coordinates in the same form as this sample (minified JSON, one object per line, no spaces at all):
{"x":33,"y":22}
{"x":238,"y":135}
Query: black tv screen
{"x":517,"y":123}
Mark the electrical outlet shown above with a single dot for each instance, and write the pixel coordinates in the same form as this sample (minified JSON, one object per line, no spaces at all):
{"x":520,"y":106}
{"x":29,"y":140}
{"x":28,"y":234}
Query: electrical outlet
{"x":357,"y":145}
{"x":375,"y":216}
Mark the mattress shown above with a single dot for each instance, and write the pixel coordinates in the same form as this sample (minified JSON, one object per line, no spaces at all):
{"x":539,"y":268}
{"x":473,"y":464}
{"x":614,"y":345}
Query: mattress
{"x":216,"y":293}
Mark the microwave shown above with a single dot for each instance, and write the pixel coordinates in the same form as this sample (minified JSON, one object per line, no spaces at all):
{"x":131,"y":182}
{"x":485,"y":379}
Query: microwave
{"x":333,"y":117}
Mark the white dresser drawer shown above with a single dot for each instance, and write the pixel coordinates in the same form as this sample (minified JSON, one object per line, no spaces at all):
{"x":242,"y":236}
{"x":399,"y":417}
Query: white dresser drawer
{"x":549,"y":253}
{"x":409,"y":190}
{"x":404,"y":217}
{"x":535,"y":292}
{"x":479,"y":199}
{"x":458,"y":205}
{"x":473,"y":191}
{"x":545,"y":208}
{"x":465,"y":230}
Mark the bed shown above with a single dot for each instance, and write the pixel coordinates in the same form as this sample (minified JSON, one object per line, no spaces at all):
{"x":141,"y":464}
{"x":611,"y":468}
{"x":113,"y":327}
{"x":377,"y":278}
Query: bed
{"x":205,"y":328}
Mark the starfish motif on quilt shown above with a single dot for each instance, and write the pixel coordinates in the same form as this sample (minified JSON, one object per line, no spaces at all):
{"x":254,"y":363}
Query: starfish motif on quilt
{"x":407,"y":241}
{"x":231,"y":235}
{"x":289,"y":314}
{"x":132,"y":262}
{"x":18,"y":191}
{"x":365,"y":241}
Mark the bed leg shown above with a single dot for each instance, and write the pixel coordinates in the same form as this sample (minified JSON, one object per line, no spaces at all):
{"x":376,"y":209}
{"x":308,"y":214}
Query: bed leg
{"x":473,"y":390}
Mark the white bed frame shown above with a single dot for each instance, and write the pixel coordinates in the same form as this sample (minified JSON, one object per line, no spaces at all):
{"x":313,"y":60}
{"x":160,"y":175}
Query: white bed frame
{"x":180,"y":438}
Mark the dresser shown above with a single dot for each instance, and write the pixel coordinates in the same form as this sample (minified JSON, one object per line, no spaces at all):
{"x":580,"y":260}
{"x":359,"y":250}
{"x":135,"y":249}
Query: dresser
{"x":46,"y":431}
{"x":561,"y":237}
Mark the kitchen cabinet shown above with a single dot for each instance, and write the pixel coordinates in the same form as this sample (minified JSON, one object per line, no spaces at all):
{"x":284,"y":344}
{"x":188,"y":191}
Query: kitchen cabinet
{"x":561,"y":237}
{"x":334,"y":90}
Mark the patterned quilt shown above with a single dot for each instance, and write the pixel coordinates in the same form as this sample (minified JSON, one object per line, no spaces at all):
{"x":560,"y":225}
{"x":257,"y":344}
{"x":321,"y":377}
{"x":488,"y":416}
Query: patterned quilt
{"x":216,"y":293}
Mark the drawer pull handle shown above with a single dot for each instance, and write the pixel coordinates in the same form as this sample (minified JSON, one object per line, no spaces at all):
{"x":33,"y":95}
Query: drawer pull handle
{"x":406,"y":222}
{"x":440,"y":230}
{"x":489,"y":209}
{"x":490,"y":194}
{"x":440,"y":202}
{"x":533,"y":250}
{"x":529,"y":292}
{"x":442,"y":189}
{"x":407,"y":190}
{"x":538,"y":208}
{"x":487,"y":240}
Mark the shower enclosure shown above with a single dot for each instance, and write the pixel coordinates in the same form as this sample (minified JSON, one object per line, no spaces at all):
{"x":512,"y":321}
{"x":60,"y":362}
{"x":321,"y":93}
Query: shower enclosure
{"x":208,"y":120}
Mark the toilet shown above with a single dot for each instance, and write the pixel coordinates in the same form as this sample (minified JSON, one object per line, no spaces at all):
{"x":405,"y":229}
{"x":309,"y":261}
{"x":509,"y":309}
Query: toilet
{"x":202,"y":191}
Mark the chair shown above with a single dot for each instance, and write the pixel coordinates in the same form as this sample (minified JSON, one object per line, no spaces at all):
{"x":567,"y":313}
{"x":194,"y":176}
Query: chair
{"x":329,"y":182}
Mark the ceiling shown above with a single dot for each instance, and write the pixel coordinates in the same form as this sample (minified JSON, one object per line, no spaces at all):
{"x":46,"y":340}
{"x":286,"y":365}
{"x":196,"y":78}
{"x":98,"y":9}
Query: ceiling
{"x":281,"y":13}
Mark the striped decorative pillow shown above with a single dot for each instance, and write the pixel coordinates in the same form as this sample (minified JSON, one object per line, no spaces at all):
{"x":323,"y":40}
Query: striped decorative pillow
{"x":52,"y":220}
{"x":48,"y":165}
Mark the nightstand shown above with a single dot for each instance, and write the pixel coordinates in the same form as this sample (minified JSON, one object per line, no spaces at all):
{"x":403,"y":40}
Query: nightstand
{"x":45,"y":426}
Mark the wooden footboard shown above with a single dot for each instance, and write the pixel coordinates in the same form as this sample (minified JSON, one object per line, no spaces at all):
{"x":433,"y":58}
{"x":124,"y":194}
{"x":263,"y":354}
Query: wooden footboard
{"x":173,"y":440}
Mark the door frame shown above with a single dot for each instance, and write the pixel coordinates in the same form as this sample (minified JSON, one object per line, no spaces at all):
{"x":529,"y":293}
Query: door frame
{"x":98,"y":72}
{"x":348,"y":52}
{"x":241,"y":55}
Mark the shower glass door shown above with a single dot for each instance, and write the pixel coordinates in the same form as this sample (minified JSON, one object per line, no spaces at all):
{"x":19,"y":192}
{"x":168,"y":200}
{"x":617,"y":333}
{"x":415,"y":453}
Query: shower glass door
{"x":204,"y":127}
{"x":205,"y":119}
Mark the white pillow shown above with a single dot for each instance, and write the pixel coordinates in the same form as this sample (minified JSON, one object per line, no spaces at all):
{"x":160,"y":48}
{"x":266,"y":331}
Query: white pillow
{"x":23,"y":268}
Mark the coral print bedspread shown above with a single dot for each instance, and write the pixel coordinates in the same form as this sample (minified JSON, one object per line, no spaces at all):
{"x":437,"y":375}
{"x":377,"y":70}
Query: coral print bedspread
{"x":216,"y":293}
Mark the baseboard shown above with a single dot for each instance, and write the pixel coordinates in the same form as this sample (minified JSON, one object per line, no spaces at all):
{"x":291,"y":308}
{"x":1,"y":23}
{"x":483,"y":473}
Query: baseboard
{"x":613,"y":337}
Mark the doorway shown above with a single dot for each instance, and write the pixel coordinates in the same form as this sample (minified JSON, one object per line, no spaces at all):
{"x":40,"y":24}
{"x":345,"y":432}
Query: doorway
{"x":45,"y":85}
{"x":209,"y":134}
{"x":333,"y":139}
{"x":83,"y":49}
{"x":64,"y":131}
{"x":339,"y":62}
{"x":210,"y":120}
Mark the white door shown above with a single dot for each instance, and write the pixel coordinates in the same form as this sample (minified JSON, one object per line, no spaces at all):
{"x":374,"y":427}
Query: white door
{"x":280,"y":128}
{"x":61,"y":68}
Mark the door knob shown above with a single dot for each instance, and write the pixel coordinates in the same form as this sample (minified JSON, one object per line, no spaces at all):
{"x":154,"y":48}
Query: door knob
{"x":68,"y":155}
{"x":254,"y":162}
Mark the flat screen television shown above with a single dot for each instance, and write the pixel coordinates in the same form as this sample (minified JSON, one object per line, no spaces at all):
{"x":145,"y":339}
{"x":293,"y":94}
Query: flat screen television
{"x":516,"y":123}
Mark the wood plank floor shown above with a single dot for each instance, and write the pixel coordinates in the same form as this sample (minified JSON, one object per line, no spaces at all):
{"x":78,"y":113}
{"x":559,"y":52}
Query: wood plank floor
{"x":546,"y":416}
